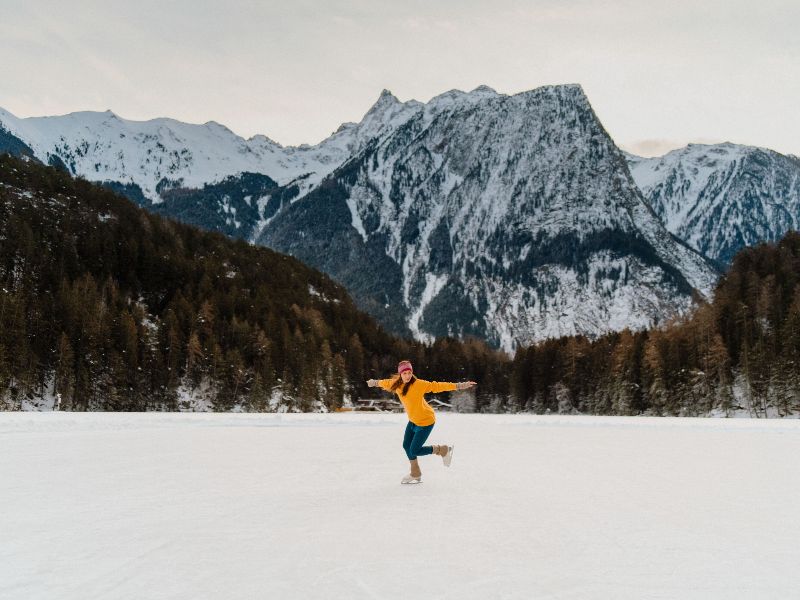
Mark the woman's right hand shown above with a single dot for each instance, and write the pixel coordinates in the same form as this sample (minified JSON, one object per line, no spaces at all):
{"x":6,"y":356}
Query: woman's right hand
{"x":372,"y":382}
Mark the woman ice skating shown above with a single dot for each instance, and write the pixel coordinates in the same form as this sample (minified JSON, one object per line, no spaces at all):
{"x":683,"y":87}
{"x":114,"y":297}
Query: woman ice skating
{"x":421,"y":417}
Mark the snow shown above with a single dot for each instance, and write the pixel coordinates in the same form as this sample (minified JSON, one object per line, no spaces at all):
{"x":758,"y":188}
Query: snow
{"x":514,"y":312}
{"x":718,"y":198}
{"x":262,"y":222}
{"x":131,"y":506}
{"x":695,"y":166}
{"x":433,"y":285}
{"x":701,"y":162}
{"x":103,"y":146}
{"x":356,"y":222}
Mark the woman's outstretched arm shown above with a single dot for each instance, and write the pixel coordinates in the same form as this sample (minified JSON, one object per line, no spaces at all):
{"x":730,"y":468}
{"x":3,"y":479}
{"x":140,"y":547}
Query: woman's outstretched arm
{"x":435,"y":387}
{"x":384,"y":384}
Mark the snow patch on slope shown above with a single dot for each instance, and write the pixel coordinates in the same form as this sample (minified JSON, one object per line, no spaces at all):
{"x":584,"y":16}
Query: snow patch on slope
{"x":433,"y":285}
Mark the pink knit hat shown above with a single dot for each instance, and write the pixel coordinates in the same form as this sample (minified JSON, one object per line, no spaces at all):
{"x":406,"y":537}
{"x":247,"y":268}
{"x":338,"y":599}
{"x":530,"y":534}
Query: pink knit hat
{"x":404,"y":365}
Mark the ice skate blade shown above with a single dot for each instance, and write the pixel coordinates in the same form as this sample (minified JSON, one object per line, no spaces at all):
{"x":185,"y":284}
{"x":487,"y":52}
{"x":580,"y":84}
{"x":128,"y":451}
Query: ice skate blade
{"x":410,"y":481}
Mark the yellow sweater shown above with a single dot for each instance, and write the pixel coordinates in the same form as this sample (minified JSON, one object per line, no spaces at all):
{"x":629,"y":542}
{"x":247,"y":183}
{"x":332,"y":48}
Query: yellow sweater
{"x":419,"y":412}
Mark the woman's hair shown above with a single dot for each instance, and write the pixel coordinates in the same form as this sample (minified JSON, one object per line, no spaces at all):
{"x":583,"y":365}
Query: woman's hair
{"x":398,"y":381}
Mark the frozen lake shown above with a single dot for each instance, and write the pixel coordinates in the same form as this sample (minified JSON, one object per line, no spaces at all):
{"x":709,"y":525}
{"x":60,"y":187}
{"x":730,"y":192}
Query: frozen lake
{"x":223,"y":506}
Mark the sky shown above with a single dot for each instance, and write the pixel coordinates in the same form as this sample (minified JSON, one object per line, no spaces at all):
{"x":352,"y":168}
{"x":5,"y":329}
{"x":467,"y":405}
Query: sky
{"x":658,"y":74}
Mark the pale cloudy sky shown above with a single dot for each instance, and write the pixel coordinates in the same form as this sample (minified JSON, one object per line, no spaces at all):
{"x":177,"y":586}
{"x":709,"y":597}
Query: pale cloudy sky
{"x":659,"y":73}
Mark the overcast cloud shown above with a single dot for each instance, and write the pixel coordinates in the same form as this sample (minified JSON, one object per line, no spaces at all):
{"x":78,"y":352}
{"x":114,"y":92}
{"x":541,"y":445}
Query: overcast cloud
{"x":659,"y":74}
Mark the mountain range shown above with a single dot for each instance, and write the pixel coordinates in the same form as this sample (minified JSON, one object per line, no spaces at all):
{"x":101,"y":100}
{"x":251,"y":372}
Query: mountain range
{"x":509,"y":218}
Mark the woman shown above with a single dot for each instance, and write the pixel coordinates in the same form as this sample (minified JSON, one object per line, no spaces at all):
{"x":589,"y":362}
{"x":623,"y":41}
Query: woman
{"x":421,"y":417}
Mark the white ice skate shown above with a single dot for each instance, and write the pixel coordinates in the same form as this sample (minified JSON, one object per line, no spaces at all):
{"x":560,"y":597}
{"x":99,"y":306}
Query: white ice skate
{"x":448,"y":458}
{"x":408,"y":479}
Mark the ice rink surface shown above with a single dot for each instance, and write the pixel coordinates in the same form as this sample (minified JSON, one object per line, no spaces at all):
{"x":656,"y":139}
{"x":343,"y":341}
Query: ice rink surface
{"x":236,"y":506}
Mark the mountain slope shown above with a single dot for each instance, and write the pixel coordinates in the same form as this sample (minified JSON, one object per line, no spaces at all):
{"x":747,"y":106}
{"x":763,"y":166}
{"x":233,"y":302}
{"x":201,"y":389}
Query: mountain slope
{"x":721,"y":198}
{"x":510,"y":218}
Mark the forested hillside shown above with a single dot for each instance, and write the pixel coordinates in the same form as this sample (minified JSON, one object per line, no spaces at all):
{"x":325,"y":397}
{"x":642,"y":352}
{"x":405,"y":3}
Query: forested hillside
{"x":111,"y":308}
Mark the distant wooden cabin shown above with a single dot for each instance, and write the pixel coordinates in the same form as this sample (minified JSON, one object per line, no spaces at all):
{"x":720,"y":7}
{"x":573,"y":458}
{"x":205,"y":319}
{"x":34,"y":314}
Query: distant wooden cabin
{"x":373,"y":405}
{"x":386,"y":405}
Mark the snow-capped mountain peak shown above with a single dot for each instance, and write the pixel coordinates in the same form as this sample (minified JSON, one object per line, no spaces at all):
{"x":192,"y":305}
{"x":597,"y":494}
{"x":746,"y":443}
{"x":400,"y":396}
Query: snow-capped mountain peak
{"x":386,"y":98}
{"x":722,"y":197}
{"x":512,"y":218}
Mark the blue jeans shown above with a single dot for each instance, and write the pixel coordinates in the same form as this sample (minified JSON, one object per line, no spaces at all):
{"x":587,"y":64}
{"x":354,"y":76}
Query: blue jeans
{"x":414,"y":438}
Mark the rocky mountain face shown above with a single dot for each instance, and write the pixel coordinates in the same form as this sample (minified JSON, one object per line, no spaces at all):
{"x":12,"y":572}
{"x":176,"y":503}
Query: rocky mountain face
{"x":721,"y":198}
{"x":509,"y":218}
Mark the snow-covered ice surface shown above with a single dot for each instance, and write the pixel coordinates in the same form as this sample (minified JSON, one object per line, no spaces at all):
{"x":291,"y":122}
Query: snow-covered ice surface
{"x":310,"y":506}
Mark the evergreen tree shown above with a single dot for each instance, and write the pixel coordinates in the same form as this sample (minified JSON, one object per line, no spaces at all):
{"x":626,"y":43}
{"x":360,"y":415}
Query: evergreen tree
{"x":64,"y":380}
